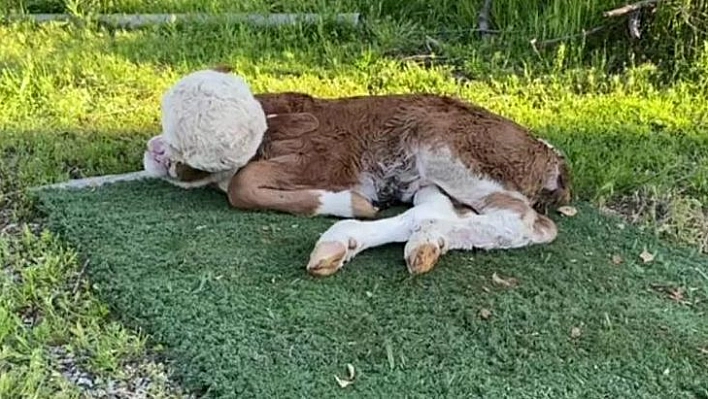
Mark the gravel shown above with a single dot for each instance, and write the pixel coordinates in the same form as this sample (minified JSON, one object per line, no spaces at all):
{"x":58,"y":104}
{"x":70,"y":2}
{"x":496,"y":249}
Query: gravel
{"x":142,"y":379}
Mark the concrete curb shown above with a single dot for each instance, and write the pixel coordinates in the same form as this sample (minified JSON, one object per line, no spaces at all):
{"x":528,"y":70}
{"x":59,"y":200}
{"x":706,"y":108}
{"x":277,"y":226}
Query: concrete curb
{"x":95,"y":182}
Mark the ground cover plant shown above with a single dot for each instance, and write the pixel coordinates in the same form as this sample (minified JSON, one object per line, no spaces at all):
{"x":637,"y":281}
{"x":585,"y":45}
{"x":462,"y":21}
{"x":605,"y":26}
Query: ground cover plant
{"x":225,"y":293}
{"x":81,"y":101}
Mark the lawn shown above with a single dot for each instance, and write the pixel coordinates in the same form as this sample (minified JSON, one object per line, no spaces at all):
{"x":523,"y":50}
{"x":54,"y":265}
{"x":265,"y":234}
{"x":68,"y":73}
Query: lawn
{"x":81,"y":101}
{"x":226,"y":294}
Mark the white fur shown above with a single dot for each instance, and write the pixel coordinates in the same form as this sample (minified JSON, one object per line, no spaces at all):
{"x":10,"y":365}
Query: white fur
{"x":456,"y":179}
{"x":432,"y":220}
{"x":211,"y":121}
{"x":369,"y":234}
{"x":153,"y":167}
{"x":335,"y":203}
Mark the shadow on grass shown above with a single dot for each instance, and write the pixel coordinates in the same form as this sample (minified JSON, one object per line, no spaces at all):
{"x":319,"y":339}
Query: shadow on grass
{"x":287,"y":50}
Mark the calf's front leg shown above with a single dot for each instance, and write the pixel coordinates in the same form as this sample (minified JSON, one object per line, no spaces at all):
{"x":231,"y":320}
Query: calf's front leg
{"x":432,"y":227}
{"x":263,"y":185}
{"x":347,"y":238}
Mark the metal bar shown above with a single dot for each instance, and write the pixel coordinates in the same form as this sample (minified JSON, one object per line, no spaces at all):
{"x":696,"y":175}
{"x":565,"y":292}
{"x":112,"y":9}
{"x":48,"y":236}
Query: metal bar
{"x":135,"y":21}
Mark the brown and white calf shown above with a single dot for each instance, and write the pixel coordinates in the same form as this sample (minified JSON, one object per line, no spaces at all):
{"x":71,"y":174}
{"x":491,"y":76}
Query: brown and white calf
{"x":475,"y":178}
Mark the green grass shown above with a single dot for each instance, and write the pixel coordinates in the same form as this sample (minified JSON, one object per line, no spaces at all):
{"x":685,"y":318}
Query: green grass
{"x":43,"y":305}
{"x":672,"y":37}
{"x":79,"y":102}
{"x":226,"y":293}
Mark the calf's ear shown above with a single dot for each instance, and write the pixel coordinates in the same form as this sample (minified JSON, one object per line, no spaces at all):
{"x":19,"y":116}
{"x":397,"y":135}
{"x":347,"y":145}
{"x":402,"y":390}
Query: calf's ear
{"x":222,"y":68}
{"x":293,"y":124}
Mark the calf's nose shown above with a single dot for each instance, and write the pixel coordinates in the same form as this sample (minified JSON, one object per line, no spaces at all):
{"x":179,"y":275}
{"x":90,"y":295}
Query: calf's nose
{"x":156,"y":146}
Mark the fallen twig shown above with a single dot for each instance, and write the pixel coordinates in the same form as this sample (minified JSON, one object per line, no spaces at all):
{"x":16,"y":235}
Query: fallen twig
{"x":635,"y":25}
{"x":422,"y":57}
{"x":135,"y":21}
{"x":618,"y":12}
{"x":79,"y":276}
{"x":483,"y":19}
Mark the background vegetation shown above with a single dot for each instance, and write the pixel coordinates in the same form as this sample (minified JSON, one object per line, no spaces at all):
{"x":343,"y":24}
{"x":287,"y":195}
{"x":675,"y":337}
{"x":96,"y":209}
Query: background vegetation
{"x":75,"y":101}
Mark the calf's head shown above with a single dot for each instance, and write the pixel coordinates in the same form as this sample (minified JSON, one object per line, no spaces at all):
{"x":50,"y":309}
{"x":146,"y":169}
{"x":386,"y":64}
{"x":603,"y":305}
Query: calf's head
{"x":212,"y":125}
{"x":556,"y":189}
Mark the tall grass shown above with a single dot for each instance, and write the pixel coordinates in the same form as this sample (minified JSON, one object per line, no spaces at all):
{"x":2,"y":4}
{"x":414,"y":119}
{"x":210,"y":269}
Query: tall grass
{"x":672,"y":38}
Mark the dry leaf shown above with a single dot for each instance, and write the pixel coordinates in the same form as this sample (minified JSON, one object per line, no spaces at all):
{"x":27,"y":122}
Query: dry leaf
{"x":575,"y":332}
{"x":345,"y":383}
{"x":508,"y":282}
{"x":485,"y":314}
{"x":616,"y":259}
{"x":342,"y":383}
{"x":646,"y":256}
{"x":676,"y":294}
{"x":703,"y":350}
{"x":568,"y":211}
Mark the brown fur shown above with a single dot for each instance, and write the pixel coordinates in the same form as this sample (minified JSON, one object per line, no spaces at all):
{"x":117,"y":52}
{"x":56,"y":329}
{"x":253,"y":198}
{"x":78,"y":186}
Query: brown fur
{"x":328,"y":143}
{"x":384,"y":149}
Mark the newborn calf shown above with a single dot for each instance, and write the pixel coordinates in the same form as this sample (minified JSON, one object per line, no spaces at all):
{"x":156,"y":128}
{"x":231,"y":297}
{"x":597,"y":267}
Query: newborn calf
{"x":476,"y":179}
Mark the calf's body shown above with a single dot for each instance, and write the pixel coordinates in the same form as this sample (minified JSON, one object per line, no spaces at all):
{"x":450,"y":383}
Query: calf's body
{"x":347,"y":156}
{"x":475,"y":178}
{"x":386,"y":147}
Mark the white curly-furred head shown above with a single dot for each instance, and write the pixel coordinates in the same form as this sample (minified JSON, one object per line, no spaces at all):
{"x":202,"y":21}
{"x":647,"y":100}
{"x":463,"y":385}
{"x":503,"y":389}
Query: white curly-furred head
{"x":210,"y":122}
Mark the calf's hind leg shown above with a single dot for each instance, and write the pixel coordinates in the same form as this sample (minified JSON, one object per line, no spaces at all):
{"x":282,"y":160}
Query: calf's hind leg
{"x":498,"y":229}
{"x":488,"y":197}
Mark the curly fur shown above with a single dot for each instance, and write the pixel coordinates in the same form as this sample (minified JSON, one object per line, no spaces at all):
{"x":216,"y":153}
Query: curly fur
{"x":211,"y":122}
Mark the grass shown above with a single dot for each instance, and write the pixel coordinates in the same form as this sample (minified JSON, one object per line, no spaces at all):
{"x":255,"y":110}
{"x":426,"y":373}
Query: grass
{"x":226,"y":294}
{"x":79,"y":102}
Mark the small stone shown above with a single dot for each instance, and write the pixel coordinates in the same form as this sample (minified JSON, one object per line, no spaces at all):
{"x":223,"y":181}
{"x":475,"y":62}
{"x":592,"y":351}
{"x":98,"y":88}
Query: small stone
{"x":575,"y":332}
{"x":85,"y":382}
{"x":485,"y":314}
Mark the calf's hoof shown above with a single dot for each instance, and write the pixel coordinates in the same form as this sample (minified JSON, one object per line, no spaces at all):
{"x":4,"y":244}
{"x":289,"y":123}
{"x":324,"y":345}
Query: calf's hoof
{"x":327,"y":258}
{"x":362,"y":208}
{"x":422,"y":258}
{"x":422,"y":254}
